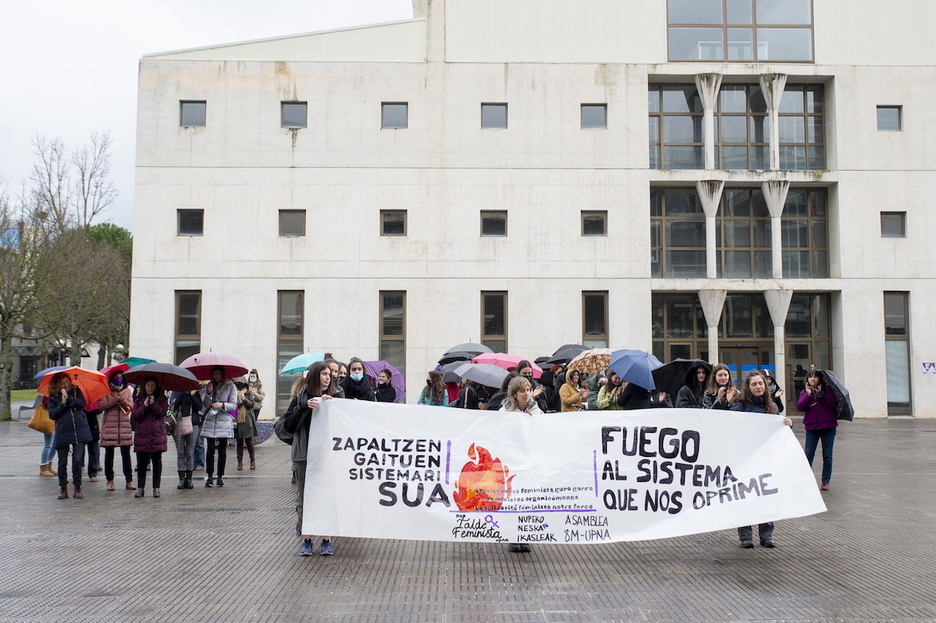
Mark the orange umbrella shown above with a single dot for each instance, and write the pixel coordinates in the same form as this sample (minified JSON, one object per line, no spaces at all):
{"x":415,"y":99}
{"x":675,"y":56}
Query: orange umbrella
{"x":591,"y":361}
{"x":91,"y":383}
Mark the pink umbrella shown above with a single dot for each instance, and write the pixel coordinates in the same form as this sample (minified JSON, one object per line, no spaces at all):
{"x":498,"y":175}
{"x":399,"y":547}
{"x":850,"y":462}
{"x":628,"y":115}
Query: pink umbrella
{"x":201,"y":364}
{"x":507,"y":362}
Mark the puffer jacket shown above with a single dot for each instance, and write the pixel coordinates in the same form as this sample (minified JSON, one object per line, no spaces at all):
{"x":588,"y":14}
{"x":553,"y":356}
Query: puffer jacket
{"x":819,"y":409}
{"x":115,"y":425}
{"x":150,"y":424}
{"x":218,"y":423}
{"x":71,"y":422}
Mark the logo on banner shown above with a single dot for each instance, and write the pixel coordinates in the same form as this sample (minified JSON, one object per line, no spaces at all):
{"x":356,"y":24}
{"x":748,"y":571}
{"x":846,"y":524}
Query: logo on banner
{"x":483,"y":484}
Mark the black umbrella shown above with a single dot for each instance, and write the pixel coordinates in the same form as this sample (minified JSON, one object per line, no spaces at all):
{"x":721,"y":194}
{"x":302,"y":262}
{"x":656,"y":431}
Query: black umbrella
{"x":469,"y":347}
{"x":448,"y":371}
{"x":168,"y":376}
{"x":670,"y":377}
{"x":457,"y":355}
{"x":565,"y":354}
{"x":843,"y":406}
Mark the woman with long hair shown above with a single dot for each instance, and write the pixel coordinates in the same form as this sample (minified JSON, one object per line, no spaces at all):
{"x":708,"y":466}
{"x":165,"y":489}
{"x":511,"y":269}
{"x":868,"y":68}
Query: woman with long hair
{"x":356,"y":385}
{"x":434,"y":393}
{"x":720,"y":391}
{"x":610,"y":392}
{"x":692,"y":394}
{"x":66,"y":409}
{"x":219,"y":399}
{"x":186,"y":405}
{"x":116,"y":431}
{"x":570,"y":394}
{"x":818,"y":404}
{"x":520,"y":397}
{"x":755,"y":398}
{"x":319,"y":386}
{"x":385,"y":391}
{"x":149,"y":439}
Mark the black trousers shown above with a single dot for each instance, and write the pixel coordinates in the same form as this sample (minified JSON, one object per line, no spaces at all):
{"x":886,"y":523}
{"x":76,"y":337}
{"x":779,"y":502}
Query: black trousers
{"x":212,"y":445}
{"x":143,"y":461}
{"x":77,"y":452}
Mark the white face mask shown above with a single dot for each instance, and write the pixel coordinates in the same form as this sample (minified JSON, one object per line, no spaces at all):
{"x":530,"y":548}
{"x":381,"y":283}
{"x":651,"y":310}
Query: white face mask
{"x":253,"y":379}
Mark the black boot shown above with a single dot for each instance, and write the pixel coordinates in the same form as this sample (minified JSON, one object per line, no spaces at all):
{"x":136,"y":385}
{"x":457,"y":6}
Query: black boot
{"x":220,"y":481}
{"x":188,"y":480}
{"x":181,"y":480}
{"x":209,"y":482}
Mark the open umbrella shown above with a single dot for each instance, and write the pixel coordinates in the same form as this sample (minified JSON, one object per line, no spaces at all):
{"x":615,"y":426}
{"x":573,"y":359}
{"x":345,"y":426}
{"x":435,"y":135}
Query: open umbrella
{"x":635,"y":366}
{"x":91,"y":383}
{"x":168,"y":376}
{"x":565,"y":354}
{"x":397,"y":381}
{"x":486,"y":374}
{"x":136,"y":361}
{"x":201,"y":364}
{"x":671,"y":376}
{"x":469,"y":347}
{"x":591,"y":361}
{"x":300,"y":363}
{"x":457,"y":355}
{"x":843,"y":406}
{"x":48,"y":370}
{"x":448,"y":371}
{"x":507,"y":362}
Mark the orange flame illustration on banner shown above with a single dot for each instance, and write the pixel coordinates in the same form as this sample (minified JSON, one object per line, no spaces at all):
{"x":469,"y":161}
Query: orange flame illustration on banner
{"x":483,"y":484}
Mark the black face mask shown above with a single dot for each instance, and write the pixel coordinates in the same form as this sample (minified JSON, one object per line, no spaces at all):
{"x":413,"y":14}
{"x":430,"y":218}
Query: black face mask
{"x":428,"y":381}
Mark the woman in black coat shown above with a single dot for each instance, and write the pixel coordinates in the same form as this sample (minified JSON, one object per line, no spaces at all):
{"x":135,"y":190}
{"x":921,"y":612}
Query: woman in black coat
{"x":66,"y":409}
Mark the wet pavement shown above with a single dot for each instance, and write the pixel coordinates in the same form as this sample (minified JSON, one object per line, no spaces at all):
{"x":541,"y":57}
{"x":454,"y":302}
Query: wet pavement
{"x":219,"y":555}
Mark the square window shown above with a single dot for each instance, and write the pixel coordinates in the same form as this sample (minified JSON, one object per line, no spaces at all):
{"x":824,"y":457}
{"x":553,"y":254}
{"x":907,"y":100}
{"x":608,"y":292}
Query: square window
{"x":294,"y":114}
{"x":191,"y":222}
{"x":894,"y":224}
{"x":494,"y":116}
{"x":493,"y":223}
{"x":594,"y":116}
{"x":393,"y":222}
{"x":595,"y":223}
{"x":889,"y":118}
{"x":292,"y":222}
{"x":193,"y":114}
{"x":394,"y":115}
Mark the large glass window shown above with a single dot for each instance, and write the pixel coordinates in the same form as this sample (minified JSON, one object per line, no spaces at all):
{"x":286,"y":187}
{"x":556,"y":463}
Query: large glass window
{"x":188,"y":324}
{"x":675,"y":127}
{"x":393,"y":329}
{"x":679,"y":329}
{"x":677,"y":233}
{"x":802,"y":140}
{"x":742,"y":239}
{"x":289,"y":340}
{"x":897,"y":352}
{"x":494,"y":321}
{"x":808,"y":331}
{"x":742,"y":128}
{"x":805,"y":236}
{"x":740,"y":30}
{"x":595,"y":319}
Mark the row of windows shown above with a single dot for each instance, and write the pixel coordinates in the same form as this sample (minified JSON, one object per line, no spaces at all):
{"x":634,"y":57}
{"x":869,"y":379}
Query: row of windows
{"x":393,"y":115}
{"x":683,"y":227}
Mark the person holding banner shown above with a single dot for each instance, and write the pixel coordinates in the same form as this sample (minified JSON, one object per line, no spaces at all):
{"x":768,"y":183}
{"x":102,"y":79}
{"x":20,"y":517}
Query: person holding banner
{"x":520,"y":399}
{"x":319,"y":386}
{"x":818,"y":403}
{"x":755,"y":398}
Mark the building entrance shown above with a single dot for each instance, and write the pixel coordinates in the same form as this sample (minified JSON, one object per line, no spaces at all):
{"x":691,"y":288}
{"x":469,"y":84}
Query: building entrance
{"x":742,"y":358}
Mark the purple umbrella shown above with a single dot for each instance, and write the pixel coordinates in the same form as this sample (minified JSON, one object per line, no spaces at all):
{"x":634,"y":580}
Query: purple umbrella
{"x":397,"y":382}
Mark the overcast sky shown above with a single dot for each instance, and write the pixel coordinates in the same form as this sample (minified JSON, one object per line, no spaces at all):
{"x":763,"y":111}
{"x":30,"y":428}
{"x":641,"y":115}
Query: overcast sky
{"x":69,"y":68}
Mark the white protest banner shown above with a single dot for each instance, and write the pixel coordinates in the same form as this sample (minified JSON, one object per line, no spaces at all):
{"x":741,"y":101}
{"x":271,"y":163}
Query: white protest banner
{"x":433,"y":473}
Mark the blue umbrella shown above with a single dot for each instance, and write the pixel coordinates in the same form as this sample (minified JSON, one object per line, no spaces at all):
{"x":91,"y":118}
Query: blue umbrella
{"x":635,"y":366}
{"x":52,"y":369}
{"x":299,"y":363}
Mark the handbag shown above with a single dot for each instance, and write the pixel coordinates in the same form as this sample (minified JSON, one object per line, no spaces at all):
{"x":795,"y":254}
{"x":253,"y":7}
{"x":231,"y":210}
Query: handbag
{"x":41,"y":421}
{"x":185,"y":425}
{"x":169,"y":421}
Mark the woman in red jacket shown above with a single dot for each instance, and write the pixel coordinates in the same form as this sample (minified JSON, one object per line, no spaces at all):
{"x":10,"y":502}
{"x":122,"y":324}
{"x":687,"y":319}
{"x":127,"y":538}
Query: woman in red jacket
{"x":818,"y":403}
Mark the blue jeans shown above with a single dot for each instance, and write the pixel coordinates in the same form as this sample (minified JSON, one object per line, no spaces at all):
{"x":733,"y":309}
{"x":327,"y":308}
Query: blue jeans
{"x":827,"y":435}
{"x":199,"y":451}
{"x":48,"y":450}
{"x":764,"y":532}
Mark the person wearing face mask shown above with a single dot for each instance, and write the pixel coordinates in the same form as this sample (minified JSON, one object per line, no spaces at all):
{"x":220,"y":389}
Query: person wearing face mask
{"x":434,"y":393}
{"x":116,"y":431}
{"x":256,"y":388}
{"x":246,"y":423}
{"x":219,"y":398}
{"x":385,"y":391}
{"x":356,"y":386}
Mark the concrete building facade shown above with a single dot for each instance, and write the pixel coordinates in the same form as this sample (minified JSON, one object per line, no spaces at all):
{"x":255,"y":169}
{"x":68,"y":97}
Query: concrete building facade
{"x":726,"y":180}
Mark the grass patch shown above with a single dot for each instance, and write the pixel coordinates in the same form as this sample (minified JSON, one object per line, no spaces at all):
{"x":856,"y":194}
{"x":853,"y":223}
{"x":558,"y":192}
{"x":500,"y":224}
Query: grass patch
{"x":22,"y":394}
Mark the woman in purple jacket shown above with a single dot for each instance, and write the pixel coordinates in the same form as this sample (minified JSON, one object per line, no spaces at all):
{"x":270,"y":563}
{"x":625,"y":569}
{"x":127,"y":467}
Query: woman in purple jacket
{"x":149,"y":441}
{"x":818,"y":403}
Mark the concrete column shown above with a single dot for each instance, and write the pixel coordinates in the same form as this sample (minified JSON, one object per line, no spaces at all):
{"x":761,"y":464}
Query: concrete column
{"x":712,"y":302}
{"x":775,"y":194}
{"x":778,"y":303}
{"x":772,"y":85}
{"x":434,"y":12}
{"x":708,"y":85}
{"x":710,"y":192}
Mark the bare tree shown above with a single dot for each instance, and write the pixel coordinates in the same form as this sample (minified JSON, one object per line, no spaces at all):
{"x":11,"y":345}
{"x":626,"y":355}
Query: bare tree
{"x":93,"y":192}
{"x":24,"y":269}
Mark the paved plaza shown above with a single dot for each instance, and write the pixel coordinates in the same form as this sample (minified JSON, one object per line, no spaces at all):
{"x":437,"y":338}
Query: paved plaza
{"x":225,"y":555}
